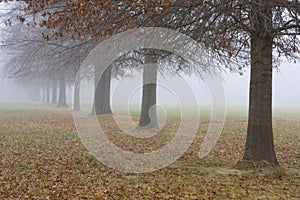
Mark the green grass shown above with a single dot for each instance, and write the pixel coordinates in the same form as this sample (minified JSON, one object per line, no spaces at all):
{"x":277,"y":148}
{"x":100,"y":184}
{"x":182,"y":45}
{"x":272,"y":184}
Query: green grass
{"x":42,"y":157}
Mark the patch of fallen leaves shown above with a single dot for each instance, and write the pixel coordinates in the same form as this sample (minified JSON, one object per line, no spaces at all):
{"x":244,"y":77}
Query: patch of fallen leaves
{"x":42,"y":157}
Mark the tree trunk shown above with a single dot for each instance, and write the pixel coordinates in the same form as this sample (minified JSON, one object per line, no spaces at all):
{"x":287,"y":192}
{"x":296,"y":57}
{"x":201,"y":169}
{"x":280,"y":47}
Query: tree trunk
{"x":76,"y":97}
{"x":260,"y":144}
{"x":54,"y":92}
{"x":148,"y":117}
{"x":62,"y":92}
{"x":48,"y":93}
{"x":101,"y":104}
{"x":44,"y":98}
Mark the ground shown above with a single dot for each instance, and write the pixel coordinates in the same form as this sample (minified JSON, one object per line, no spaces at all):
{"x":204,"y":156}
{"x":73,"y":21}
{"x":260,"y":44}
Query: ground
{"x":42,"y":157}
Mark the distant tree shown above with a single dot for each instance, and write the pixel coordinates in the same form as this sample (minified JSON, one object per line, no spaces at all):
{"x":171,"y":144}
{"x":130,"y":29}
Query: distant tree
{"x":54,"y":92}
{"x":34,"y":58}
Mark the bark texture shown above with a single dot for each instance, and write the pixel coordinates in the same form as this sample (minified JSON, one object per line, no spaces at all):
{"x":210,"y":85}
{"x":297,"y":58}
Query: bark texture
{"x":260,"y":143}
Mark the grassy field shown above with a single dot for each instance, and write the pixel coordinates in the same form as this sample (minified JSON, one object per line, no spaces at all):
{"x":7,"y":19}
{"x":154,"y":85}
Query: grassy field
{"x":42,"y":157}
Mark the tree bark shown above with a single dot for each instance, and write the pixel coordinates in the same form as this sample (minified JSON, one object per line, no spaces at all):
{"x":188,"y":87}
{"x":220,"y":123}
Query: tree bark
{"x":76,"y":97}
{"x":62,"y":92}
{"x":54,"y":92}
{"x":148,"y":118}
{"x":101,"y":104}
{"x":260,"y":143}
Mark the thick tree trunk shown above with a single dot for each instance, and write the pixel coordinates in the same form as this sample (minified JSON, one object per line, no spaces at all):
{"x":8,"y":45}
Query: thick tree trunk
{"x":54,"y":92}
{"x":101,"y":104}
{"x":76,"y":96}
{"x":148,"y":118}
{"x":260,"y":144}
{"x":62,"y":92}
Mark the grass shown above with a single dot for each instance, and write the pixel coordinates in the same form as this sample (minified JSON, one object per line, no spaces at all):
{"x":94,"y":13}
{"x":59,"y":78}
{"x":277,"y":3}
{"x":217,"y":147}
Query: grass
{"x":42,"y":157}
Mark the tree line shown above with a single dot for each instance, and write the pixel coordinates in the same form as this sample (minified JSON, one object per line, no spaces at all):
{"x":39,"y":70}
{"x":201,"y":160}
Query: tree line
{"x":237,"y":33}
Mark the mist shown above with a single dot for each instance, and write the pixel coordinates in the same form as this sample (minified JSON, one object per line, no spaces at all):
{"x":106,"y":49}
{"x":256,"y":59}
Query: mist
{"x":285,"y":92}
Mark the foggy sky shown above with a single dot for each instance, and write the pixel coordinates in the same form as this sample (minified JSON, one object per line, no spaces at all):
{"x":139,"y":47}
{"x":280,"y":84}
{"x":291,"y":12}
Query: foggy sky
{"x":285,"y":89}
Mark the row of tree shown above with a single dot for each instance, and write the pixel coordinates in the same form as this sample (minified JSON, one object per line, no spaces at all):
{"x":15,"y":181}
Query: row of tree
{"x":54,"y":63}
{"x":238,"y":33}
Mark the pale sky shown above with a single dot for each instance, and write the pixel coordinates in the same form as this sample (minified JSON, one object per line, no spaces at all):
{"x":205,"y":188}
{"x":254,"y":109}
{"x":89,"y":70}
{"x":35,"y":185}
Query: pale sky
{"x":285,"y":88}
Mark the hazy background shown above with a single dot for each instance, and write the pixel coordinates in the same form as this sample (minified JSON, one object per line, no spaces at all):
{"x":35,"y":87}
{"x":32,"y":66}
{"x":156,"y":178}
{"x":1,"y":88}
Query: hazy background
{"x":286,"y":92}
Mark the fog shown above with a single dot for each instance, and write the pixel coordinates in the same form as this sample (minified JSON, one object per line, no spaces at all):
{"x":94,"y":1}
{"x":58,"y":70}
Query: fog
{"x":285,"y":88}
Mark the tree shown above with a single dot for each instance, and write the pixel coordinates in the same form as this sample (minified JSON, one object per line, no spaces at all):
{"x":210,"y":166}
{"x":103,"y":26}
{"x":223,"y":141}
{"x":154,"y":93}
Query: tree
{"x":235,"y":31}
{"x":101,"y":103}
{"x":54,"y":92}
{"x":148,"y":117}
{"x":62,"y":102}
{"x":76,"y":96}
{"x":33,"y":58}
{"x":150,"y":58}
{"x":243,"y":31}
{"x":260,"y":145}
{"x":226,"y":27}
